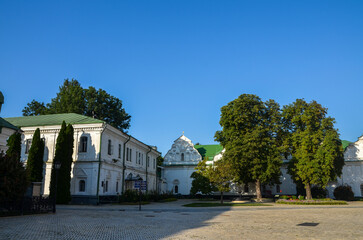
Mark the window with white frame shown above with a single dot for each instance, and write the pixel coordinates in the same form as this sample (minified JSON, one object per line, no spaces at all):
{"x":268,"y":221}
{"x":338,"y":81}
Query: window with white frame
{"x":119,"y":151}
{"x":109,"y":147}
{"x":83,"y":144}
{"x":28,"y":144}
{"x":82,"y":186}
{"x":127,"y":154}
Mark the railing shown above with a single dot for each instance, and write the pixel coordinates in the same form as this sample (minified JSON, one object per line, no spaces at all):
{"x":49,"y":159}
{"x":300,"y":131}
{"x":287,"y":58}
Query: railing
{"x":27,"y":205}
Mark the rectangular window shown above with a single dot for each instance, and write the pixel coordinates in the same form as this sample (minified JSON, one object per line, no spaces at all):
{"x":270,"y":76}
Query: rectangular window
{"x":127,"y":154}
{"x":28,"y":145}
{"x":106,"y":188}
{"x":142,"y":159}
{"x":117,"y":186}
{"x":119,"y":151}
{"x":148,"y":161}
{"x":83,"y":144}
{"x":130,"y":155}
{"x":109,"y":148}
{"x":154,"y":164}
{"x":139,"y":158}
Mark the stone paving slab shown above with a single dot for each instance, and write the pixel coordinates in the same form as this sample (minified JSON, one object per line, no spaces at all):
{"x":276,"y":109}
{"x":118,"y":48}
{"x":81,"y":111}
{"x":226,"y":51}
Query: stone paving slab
{"x":173,"y":221}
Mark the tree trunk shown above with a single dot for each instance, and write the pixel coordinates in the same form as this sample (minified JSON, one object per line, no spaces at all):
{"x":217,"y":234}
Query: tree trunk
{"x":221,"y":197}
{"x":308,"y":191}
{"x":258,"y":191}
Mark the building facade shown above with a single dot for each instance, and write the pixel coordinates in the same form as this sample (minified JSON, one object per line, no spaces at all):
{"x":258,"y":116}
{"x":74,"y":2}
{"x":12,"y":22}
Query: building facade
{"x":106,"y":161}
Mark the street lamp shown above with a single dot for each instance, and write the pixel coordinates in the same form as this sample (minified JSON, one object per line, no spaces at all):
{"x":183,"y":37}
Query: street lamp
{"x":56,"y":166}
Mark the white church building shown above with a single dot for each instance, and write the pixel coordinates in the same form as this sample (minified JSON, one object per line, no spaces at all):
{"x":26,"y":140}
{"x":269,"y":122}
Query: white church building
{"x":183,"y":156}
{"x":106,"y":161}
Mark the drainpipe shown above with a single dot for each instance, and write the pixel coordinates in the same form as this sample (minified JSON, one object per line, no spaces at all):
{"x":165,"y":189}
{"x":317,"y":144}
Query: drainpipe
{"x":124,"y":164}
{"x":147,"y":162}
{"x":99,"y":166}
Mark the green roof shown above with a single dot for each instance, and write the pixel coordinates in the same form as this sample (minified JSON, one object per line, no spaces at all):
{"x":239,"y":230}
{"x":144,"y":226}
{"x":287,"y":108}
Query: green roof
{"x":209,"y":151}
{"x":51,"y":119}
{"x":345,"y":143}
{"x":6,"y":124}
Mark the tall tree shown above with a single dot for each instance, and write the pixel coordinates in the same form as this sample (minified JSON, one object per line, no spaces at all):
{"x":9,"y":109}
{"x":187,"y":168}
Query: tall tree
{"x":72,"y":98}
{"x":220,"y":176}
{"x":250,"y":137}
{"x":201,"y":182}
{"x":313,"y":143}
{"x":34,"y":108}
{"x":63,"y":155}
{"x":35,"y":158}
{"x":13,"y":176}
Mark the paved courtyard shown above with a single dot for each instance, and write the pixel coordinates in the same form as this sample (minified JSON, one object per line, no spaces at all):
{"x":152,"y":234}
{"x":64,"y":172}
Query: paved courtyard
{"x":173,"y":221}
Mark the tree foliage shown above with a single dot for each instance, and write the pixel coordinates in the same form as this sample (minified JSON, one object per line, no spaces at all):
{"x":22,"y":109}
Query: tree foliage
{"x":13,"y":176}
{"x":220,"y":176}
{"x":63,"y":155}
{"x":314,"y":144}
{"x":251,"y":138}
{"x":72,"y":98}
{"x":35,"y":158}
{"x":201,"y":182}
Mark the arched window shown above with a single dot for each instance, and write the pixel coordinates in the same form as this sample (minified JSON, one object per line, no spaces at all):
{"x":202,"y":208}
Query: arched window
{"x":82,"y":185}
{"x":182,"y":156}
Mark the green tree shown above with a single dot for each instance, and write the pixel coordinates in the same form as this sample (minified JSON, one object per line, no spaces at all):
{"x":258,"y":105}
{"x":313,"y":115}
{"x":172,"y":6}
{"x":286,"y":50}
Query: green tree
{"x":220,"y":176}
{"x":34,"y":108}
{"x":250,"y":136}
{"x":72,"y":98}
{"x":314,"y":144}
{"x":13,"y":176}
{"x":35,"y":158}
{"x":63,"y":154}
{"x":201,"y":182}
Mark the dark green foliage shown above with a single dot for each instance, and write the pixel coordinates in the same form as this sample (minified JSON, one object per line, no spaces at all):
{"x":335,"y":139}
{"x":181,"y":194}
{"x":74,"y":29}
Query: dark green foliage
{"x":72,"y":98}
{"x":13,"y":176}
{"x":35,"y":158}
{"x":314,"y":144}
{"x":34,"y":108}
{"x":344,"y":193}
{"x":63,"y":154}
{"x":318,"y":192}
{"x":201,"y":182}
{"x":14,"y":146}
{"x":250,"y":136}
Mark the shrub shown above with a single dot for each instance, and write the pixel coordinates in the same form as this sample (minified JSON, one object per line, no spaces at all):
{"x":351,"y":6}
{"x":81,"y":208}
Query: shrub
{"x":130,"y":196}
{"x":344,"y":193}
{"x":284,"y":197}
{"x":318,"y":192}
{"x":301,"y":197}
{"x":294,"y":197}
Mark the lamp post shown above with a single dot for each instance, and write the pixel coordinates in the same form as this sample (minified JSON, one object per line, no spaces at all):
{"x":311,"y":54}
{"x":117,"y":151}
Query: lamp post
{"x":56,"y":166}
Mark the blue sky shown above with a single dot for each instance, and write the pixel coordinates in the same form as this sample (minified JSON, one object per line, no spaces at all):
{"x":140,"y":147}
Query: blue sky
{"x":174,"y":64}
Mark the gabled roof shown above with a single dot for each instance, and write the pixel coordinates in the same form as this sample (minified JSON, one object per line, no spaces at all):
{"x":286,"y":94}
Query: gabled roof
{"x":209,"y":151}
{"x":51,"y":119}
{"x":6,"y":124}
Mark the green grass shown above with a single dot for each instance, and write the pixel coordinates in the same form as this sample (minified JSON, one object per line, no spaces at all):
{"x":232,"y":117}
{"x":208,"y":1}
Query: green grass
{"x":225,"y":204}
{"x":311,"y":202}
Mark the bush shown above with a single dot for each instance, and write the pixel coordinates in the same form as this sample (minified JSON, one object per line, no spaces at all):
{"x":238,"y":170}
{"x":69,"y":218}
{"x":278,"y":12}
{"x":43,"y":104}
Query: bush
{"x":311,"y":202}
{"x":301,"y":197}
{"x":344,"y":193}
{"x":294,"y":197}
{"x":284,"y":197}
{"x":133,"y":196}
{"x":318,"y":192}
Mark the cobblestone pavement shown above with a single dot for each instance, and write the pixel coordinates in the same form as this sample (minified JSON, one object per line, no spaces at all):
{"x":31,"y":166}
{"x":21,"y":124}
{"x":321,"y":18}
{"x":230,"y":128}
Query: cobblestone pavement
{"x":173,"y":221}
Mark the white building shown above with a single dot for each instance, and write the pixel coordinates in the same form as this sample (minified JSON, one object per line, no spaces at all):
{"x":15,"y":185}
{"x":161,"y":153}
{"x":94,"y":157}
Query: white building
{"x":106,"y":161}
{"x":353,"y":169}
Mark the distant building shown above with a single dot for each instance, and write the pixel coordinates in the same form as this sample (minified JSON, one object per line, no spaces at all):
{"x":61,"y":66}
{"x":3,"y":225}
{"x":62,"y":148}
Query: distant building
{"x":106,"y":161}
